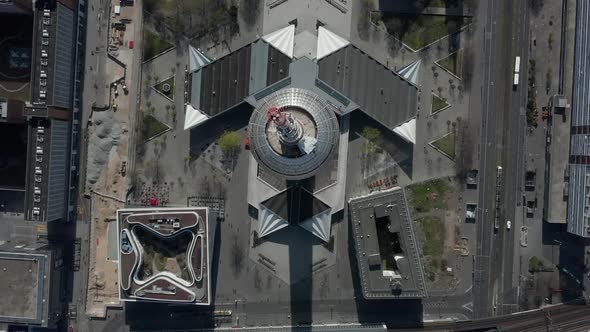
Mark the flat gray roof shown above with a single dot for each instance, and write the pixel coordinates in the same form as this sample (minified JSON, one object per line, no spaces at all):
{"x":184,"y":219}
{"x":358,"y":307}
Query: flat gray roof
{"x":555,"y":202}
{"x":23,"y":287}
{"x":380,"y":92}
{"x":387,"y":206}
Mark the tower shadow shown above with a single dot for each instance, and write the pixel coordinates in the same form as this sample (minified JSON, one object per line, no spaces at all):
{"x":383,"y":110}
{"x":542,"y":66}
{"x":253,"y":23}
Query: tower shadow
{"x":301,"y":291}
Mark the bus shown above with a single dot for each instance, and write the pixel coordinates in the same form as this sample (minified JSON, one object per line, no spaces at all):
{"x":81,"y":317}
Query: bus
{"x":516,"y":71}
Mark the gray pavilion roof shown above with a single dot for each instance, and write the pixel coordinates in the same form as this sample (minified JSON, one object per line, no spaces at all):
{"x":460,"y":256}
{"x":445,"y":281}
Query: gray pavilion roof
{"x":381,"y":93}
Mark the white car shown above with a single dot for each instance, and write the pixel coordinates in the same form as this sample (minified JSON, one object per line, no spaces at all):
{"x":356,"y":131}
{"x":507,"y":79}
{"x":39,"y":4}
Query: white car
{"x":508,"y":225}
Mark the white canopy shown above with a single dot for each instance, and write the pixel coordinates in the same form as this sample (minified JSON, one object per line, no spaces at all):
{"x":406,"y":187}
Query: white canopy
{"x":282,"y":39}
{"x":329,"y":42}
{"x":407,"y":130}
{"x":196,"y":59}
{"x":269,"y":222}
{"x":193,"y":117}
{"x":410,"y":72}
{"x":319,"y":225}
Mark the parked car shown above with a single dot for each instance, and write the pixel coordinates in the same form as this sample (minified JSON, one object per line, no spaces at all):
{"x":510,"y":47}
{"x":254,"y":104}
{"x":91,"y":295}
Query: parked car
{"x":508,"y":225}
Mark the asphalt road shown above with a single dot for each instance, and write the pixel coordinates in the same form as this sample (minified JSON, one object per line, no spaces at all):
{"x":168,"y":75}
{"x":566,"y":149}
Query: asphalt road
{"x":482,"y":278}
{"x":95,"y":59}
{"x":513,"y":132}
{"x":501,"y":142}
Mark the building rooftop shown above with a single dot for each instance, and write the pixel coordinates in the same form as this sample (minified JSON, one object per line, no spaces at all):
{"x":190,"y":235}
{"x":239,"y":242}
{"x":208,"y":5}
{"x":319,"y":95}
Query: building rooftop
{"x":379,"y":92}
{"x":295,"y":205}
{"x":164,"y":255}
{"x":386,"y":247}
{"x":578,"y":215}
{"x":557,"y":172}
{"x":24,"y":284}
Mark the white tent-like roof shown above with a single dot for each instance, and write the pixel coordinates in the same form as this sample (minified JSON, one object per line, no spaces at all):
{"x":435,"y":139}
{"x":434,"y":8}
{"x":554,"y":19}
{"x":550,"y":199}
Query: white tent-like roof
{"x":193,"y":117}
{"x":407,"y":130}
{"x":269,"y":222}
{"x":329,"y":42}
{"x":197,"y":59}
{"x":282,"y":39}
{"x":319,"y":225}
{"x":410,"y":72}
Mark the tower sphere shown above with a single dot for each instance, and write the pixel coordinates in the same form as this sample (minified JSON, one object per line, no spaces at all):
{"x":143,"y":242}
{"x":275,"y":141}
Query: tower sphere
{"x":293,"y":132}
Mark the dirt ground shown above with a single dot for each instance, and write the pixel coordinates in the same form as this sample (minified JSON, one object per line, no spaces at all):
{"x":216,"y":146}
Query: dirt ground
{"x":108,"y":194}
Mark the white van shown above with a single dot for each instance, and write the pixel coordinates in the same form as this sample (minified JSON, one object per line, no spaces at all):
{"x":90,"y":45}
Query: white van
{"x":45,"y":33}
{"x":38,"y":170}
{"x":43,"y":53}
{"x":39,"y":150}
{"x":43,"y":74}
{"x":46,"y":13}
{"x":37,"y":191}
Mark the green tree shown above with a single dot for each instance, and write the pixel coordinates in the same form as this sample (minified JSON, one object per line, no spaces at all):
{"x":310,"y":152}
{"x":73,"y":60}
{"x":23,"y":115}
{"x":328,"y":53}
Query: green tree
{"x":229,"y":142}
{"x":373,"y":135}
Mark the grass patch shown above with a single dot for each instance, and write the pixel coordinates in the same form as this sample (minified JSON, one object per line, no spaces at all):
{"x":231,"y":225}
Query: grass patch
{"x":153,"y":44}
{"x":537,"y":264}
{"x":433,"y":231}
{"x":160,"y":262}
{"x":167,"y":83}
{"x":452,"y":63}
{"x":418,"y":31}
{"x":438,"y":104}
{"x":428,"y":195}
{"x":446,"y":144}
{"x":152,"y":127}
